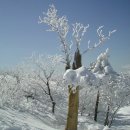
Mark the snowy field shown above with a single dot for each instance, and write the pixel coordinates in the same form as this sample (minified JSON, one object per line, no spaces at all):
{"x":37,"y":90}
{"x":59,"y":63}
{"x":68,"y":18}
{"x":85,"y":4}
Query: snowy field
{"x":14,"y":120}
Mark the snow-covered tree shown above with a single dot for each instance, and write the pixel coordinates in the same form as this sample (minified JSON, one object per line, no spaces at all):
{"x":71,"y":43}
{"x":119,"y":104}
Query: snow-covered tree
{"x":114,"y":89}
{"x":11,"y":87}
{"x":101,"y":68}
{"x":116,"y":94}
{"x":60,"y":25}
{"x":43,"y":79}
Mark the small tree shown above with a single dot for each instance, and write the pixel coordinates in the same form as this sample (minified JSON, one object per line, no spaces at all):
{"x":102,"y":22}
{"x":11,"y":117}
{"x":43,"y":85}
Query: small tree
{"x":11,"y":87}
{"x":115,"y":94}
{"x":121,"y":96}
{"x":42,"y":77}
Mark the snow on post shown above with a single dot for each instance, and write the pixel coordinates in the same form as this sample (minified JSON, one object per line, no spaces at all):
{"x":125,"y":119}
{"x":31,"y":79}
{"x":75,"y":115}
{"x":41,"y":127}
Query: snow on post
{"x":80,"y":77}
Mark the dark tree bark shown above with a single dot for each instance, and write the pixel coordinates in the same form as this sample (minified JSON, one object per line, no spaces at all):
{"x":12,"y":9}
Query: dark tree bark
{"x":107,"y":117}
{"x":52,"y":100}
{"x":53,"y":107}
{"x":96,"y":106}
{"x":77,"y":60}
{"x":67,"y":66}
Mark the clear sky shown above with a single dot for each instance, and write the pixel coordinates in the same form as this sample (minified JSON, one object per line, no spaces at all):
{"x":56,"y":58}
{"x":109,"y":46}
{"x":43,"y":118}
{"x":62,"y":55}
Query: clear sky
{"x":21,"y":35}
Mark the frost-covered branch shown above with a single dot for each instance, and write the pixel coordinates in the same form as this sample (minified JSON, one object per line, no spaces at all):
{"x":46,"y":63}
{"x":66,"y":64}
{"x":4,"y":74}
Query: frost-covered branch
{"x":59,"y":25}
{"x":102,"y":39}
{"x":78,"y":32}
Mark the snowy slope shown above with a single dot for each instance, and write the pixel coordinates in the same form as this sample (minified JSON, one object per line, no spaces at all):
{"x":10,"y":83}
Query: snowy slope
{"x":14,"y":120}
{"x":122,"y":121}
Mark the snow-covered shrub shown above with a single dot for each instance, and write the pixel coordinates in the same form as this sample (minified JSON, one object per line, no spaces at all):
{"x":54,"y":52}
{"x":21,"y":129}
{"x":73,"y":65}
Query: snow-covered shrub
{"x":11,"y":84}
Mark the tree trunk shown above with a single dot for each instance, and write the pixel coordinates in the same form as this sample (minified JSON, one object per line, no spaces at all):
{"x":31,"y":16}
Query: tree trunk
{"x":96,"y":106}
{"x":107,"y":117}
{"x":53,"y":107}
{"x":72,"y":117}
{"x":113,"y":116}
{"x":53,"y":104}
{"x":52,"y":100}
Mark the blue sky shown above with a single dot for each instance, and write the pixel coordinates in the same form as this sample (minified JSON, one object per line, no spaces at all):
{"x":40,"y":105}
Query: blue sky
{"x":21,"y":35}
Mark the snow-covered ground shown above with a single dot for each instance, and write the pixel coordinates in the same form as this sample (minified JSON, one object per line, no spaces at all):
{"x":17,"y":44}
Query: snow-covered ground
{"x":14,"y":120}
{"x":122,"y":121}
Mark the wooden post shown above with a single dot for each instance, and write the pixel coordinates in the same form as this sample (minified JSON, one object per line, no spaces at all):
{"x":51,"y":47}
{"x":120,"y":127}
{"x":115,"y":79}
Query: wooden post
{"x":72,"y":117}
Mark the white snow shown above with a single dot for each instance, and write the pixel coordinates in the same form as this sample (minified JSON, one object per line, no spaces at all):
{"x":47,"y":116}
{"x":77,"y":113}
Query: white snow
{"x":80,"y":77}
{"x":93,"y":127}
{"x":101,"y":68}
{"x":125,"y":110}
{"x":83,"y":76}
{"x":14,"y":120}
{"x":106,"y":128}
{"x":102,"y":65}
